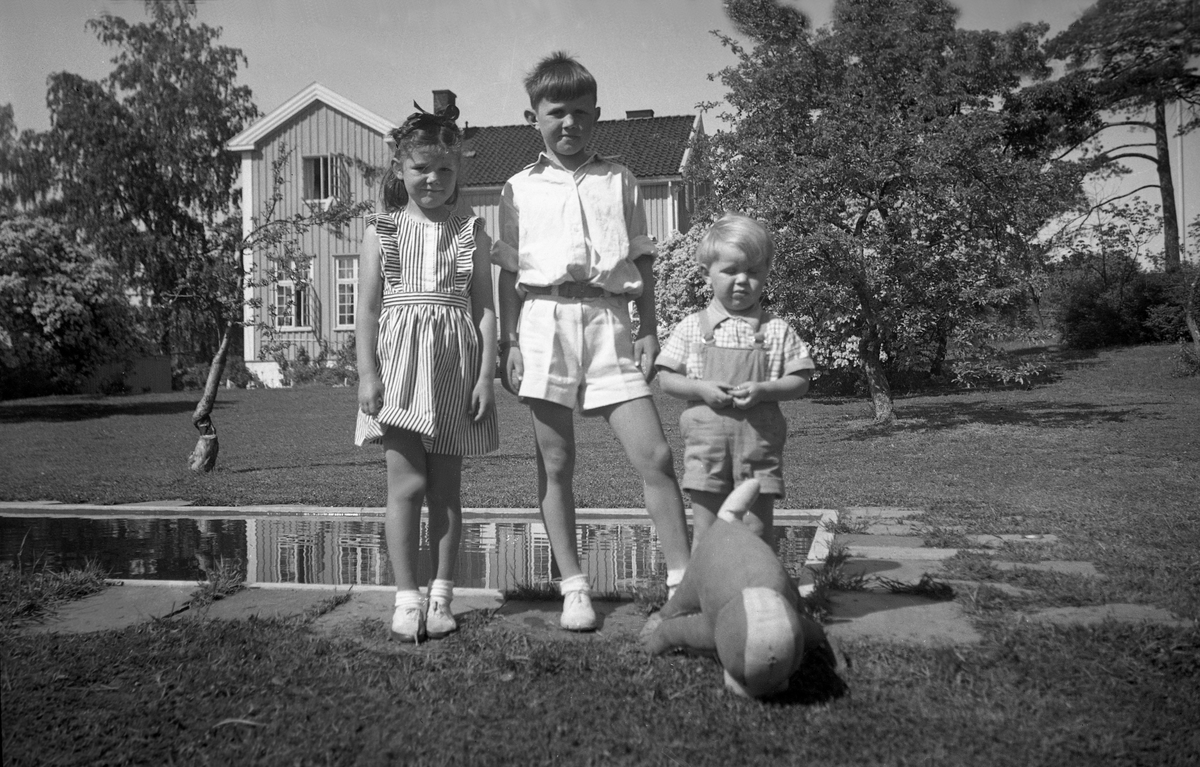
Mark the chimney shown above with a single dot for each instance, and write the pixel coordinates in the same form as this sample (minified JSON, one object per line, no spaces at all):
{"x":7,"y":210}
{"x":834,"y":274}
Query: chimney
{"x":634,"y":114}
{"x":443,"y":101}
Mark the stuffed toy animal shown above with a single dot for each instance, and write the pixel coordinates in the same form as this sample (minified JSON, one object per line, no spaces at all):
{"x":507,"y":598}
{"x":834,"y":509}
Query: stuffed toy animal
{"x":737,"y":602}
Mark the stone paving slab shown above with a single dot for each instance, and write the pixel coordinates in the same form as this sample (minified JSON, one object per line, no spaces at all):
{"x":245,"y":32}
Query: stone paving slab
{"x":879,"y":512}
{"x":900,"y":553}
{"x":262,"y":603}
{"x":893,"y":528}
{"x":1086,"y":569}
{"x":1094,"y":615}
{"x":116,"y":607}
{"x":1004,"y":588}
{"x":904,"y":571}
{"x":899,"y":618}
{"x":870,"y":540}
{"x":996,"y":541}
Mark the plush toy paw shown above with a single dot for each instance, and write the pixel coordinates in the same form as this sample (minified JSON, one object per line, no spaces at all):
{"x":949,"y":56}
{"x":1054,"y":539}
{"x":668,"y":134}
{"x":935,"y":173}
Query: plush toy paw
{"x":645,"y":636}
{"x":738,"y":502}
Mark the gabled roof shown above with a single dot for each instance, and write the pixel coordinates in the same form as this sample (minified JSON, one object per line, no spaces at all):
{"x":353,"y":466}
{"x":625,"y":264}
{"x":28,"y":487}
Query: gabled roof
{"x":249,"y":138}
{"x":648,"y":146}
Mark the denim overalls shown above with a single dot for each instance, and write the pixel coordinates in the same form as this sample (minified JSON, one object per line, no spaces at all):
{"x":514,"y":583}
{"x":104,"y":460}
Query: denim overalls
{"x":726,"y":446}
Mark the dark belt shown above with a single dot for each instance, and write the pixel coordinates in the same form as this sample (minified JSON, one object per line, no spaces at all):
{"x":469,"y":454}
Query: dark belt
{"x":569,"y":290}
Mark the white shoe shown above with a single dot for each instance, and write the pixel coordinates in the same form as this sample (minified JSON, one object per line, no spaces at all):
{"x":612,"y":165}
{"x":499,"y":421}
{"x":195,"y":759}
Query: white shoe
{"x":439,"y":621}
{"x":577,"y":614}
{"x":408,"y":624}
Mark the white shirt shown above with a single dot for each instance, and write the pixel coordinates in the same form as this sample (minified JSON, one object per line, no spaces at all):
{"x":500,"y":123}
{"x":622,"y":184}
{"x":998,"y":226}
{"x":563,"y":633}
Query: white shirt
{"x":587,"y":226}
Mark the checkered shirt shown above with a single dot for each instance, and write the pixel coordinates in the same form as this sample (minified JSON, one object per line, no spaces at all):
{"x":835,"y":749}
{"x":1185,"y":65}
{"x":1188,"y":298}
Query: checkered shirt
{"x":786,"y":352}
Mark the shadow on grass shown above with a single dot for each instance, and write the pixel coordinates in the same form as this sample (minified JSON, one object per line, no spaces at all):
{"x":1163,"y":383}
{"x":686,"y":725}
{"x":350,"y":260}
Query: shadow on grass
{"x":952,"y":415}
{"x":1057,"y":361}
{"x":84,"y":410}
{"x":370,"y":460}
{"x":814,"y":683}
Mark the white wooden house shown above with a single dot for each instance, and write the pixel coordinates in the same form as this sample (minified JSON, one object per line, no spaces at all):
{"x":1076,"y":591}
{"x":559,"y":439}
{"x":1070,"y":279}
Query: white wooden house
{"x":328,"y":139}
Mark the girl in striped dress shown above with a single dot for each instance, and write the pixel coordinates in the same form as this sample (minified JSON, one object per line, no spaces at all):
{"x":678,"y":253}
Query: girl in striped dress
{"x":426,"y":331}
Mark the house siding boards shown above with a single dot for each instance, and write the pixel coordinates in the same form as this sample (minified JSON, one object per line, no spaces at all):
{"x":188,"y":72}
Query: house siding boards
{"x":317,"y":122}
{"x":317,"y":130}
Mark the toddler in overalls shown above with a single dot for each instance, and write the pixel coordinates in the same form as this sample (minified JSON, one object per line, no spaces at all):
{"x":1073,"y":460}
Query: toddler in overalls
{"x":734,"y":362}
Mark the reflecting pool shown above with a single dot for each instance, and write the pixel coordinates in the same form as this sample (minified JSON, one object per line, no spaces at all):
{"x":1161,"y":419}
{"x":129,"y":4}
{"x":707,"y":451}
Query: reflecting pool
{"x":499,"y":551}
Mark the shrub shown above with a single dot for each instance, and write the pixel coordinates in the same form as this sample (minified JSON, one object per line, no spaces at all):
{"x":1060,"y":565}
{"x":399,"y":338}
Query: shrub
{"x":682,"y":285}
{"x":64,"y":309}
{"x":194,"y":376}
{"x":331,"y":366}
{"x":1141,"y":307}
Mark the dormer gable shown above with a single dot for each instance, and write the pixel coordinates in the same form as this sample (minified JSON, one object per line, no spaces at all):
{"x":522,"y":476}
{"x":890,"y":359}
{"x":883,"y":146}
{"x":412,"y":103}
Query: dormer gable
{"x":248,"y":140}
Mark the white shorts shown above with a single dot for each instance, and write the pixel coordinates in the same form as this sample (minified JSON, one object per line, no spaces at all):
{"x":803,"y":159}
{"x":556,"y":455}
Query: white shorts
{"x":579,"y":352}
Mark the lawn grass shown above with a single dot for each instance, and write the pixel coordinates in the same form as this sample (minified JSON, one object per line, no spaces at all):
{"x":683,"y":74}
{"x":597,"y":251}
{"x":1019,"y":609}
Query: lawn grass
{"x":32,"y":593}
{"x":267,"y":692}
{"x":1106,"y":457}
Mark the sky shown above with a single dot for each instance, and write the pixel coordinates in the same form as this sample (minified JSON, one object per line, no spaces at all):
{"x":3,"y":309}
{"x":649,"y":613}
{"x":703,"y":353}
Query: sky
{"x":386,"y":54}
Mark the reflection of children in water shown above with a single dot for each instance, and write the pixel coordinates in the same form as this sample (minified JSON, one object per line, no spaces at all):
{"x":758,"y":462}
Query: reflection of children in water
{"x":206,"y":550}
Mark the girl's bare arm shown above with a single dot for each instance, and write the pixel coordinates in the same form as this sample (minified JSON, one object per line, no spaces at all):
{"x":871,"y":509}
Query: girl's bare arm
{"x":366,"y":324}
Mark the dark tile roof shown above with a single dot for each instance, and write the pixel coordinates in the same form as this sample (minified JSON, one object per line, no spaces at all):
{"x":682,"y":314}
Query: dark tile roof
{"x":649,"y":146}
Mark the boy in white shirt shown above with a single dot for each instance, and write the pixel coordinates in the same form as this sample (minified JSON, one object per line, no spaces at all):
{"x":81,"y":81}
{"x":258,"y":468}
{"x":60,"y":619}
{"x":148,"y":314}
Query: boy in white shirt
{"x":574,"y":252}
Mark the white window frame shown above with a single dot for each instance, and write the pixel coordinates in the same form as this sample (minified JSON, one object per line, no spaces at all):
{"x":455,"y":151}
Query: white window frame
{"x":293,"y":307}
{"x":345,"y":275}
{"x":322,"y":177}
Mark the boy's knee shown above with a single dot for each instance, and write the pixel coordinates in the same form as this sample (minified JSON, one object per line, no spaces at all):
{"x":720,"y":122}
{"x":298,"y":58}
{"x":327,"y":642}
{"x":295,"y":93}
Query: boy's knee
{"x":657,"y":461}
{"x":558,"y":461}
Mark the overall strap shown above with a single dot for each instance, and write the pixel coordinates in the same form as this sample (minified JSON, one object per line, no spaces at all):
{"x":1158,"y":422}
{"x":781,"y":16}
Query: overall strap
{"x":760,"y":335}
{"x":708,"y":333}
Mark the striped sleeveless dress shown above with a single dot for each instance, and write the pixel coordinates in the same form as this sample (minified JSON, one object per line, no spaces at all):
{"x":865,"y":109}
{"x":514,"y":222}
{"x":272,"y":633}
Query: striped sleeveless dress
{"x":428,"y":348}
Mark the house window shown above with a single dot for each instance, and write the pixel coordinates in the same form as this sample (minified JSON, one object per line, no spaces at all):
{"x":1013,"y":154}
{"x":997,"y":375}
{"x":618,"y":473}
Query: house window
{"x":347,"y":289}
{"x":321,"y":178}
{"x":291,"y":300}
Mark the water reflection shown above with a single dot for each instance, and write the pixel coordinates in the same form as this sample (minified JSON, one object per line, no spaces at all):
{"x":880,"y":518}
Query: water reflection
{"x":495,"y":554}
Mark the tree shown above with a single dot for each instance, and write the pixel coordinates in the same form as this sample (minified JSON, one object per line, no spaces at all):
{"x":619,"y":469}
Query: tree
{"x":279,"y":238}
{"x":1131,"y":58}
{"x":876,"y":152}
{"x":141,"y":167}
{"x":26,"y":176}
{"x":141,"y":164}
{"x":65,"y":310}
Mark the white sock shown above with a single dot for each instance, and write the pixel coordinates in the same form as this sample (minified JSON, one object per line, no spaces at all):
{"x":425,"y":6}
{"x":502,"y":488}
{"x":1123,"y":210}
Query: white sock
{"x":408,"y":598}
{"x":674,"y":578}
{"x":574,"y":583}
{"x":441,"y":590}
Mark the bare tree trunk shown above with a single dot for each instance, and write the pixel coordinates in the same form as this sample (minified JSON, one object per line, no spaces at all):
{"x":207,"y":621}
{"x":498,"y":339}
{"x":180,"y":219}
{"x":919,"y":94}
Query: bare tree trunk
{"x":1171,"y":261}
{"x":869,"y":347}
{"x":204,"y":456}
{"x":1191,"y":307}
{"x":938,"y":363}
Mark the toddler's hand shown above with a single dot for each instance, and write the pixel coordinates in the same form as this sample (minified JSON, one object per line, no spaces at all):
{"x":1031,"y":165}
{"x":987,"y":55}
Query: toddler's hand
{"x":715,"y":395}
{"x":747,"y":395}
{"x":370,"y":395}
